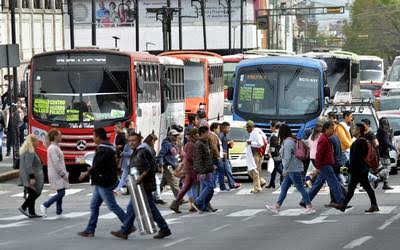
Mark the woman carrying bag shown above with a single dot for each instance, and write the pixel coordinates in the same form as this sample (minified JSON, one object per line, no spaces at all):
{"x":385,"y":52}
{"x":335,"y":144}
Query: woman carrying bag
{"x":58,"y":175}
{"x":31,"y":175}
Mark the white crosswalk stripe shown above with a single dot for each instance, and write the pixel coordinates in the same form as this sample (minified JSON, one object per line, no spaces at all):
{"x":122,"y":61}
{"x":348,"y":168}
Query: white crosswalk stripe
{"x":246,"y":213}
{"x":108,"y":216}
{"x":22,"y":194}
{"x":291,"y":212}
{"x":290,"y":191}
{"x":69,"y":215}
{"x":4,"y":192}
{"x":395,"y":190}
{"x":69,"y":192}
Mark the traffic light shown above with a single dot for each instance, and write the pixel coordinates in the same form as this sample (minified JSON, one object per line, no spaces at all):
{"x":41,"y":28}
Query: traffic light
{"x":334,"y":10}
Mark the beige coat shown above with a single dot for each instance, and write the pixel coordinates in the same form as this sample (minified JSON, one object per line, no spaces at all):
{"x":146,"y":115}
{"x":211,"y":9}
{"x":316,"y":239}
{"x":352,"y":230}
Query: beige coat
{"x":57,"y":172}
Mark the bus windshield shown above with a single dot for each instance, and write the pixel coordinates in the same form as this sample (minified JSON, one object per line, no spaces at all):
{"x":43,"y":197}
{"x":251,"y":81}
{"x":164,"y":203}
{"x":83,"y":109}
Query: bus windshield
{"x":194,"y":80}
{"x":89,"y":95}
{"x":229,"y":70}
{"x":284,"y":90}
{"x":371,"y":75}
{"x":394,"y":75}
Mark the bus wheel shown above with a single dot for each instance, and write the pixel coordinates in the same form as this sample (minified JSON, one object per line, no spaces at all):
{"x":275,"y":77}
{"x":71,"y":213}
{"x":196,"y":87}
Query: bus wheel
{"x":74,"y":172}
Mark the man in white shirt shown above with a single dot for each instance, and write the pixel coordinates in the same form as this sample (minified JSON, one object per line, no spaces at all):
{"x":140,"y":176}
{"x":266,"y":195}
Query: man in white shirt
{"x":258,"y":142}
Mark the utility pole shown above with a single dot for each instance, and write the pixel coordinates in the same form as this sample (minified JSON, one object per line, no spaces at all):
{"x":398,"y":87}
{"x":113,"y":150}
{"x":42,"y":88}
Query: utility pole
{"x":93,"y":22}
{"x":203,"y":14}
{"x":71,"y":23}
{"x":165,"y":14}
{"x":14,"y":94}
{"x":180,"y":23}
{"x":229,"y":11}
{"x":241,"y":25}
{"x":137,"y":24}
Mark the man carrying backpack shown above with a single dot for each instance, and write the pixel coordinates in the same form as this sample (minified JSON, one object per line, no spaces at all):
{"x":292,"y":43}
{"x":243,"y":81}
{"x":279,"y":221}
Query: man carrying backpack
{"x":258,"y":142}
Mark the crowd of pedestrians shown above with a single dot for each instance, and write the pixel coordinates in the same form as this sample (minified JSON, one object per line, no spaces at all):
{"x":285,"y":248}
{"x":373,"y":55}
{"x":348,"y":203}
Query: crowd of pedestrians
{"x":195,"y":161}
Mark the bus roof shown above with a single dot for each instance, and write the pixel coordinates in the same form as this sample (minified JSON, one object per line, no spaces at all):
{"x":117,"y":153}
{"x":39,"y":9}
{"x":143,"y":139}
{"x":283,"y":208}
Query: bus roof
{"x":169,"y":60}
{"x":271,"y":52}
{"x":333,"y":54}
{"x":187,"y":55}
{"x":137,"y":55}
{"x":285,"y":60}
{"x":239,"y":57}
{"x":371,"y":58}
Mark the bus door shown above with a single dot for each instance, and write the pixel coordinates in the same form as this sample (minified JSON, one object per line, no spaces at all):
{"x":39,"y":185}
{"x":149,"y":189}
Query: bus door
{"x":215,"y":102}
{"x":195,"y":86}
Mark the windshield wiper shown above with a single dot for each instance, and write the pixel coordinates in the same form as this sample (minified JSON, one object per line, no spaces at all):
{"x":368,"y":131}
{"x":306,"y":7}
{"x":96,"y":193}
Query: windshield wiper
{"x":115,"y":81}
{"x":295,"y":75}
{"x":265,"y":77}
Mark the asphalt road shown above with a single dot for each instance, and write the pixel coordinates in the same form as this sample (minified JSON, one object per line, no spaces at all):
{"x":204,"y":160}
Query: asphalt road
{"x":241,"y":223}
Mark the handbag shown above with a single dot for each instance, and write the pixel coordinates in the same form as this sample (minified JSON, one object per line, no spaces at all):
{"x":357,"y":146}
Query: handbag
{"x":271,"y":165}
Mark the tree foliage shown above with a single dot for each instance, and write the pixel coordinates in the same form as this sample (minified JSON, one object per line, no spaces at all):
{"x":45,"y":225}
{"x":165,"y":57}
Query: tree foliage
{"x":374,"y":28}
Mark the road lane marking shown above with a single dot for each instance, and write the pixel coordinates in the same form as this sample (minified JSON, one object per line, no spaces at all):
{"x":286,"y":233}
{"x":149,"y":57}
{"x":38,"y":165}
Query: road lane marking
{"x":334,"y":211}
{"x":177,"y":242}
{"x":290,"y":191}
{"x":395,"y":190}
{"x":18,"y":217}
{"x":69,"y":215}
{"x":245,"y":213}
{"x":357,"y":242}
{"x":69,"y":192}
{"x":15,"y":224}
{"x":317,"y":220}
{"x":243,"y":191}
{"x":63,"y":228}
{"x":108,"y":216}
{"x":389,"y":221}
{"x":249,"y":218}
{"x":384,"y":210}
{"x":291,"y":212}
{"x":4,"y":192}
{"x":172,"y":221}
{"x":166,"y":212}
{"x":219,"y":228}
{"x":22,"y":194}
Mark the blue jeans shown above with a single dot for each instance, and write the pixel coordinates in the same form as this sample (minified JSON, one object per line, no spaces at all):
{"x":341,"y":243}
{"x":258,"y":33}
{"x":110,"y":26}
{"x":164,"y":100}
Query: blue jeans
{"x":206,"y":191}
{"x":277,"y":169}
{"x":225,"y":168}
{"x":327,"y":174}
{"x":296,"y":179}
{"x":130,"y":215}
{"x":101,"y":194}
{"x":56,"y":198}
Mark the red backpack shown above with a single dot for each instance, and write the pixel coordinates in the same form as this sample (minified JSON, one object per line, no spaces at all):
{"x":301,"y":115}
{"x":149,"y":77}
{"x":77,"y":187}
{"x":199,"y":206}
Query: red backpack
{"x":372,"y":157}
{"x":261,"y":150}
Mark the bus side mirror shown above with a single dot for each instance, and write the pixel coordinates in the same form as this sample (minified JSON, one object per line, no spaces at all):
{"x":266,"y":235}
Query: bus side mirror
{"x":230,"y":93}
{"x":327,"y":92}
{"x":139,"y":84}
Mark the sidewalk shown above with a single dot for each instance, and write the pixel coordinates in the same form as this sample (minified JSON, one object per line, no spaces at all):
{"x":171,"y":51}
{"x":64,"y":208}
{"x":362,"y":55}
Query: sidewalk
{"x":6,"y":169}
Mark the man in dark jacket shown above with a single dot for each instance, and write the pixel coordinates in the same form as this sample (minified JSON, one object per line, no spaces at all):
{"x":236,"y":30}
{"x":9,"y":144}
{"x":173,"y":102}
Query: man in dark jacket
{"x":204,"y":168}
{"x":104,"y":178}
{"x":358,"y":170}
{"x":143,"y":160}
{"x":167,"y":159}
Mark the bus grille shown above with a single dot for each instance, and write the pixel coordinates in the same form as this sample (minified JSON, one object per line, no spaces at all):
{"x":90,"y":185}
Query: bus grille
{"x":296,"y":128}
{"x":78,"y":144}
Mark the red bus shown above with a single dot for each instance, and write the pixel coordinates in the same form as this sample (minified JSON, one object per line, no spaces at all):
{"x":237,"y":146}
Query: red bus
{"x":78,"y":90}
{"x":203,"y":79}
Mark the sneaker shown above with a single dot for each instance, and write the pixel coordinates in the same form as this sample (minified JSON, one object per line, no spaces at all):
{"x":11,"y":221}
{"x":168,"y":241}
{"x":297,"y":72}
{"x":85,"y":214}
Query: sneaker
{"x":211,"y":208}
{"x":86,"y":234}
{"x":273,"y":209}
{"x":34,"y":216}
{"x":162,"y":234}
{"x":119,"y":234}
{"x":43,"y":210}
{"x":224,"y":190}
{"x":160,"y":202}
{"x":309,"y":210}
{"x":23,"y":211}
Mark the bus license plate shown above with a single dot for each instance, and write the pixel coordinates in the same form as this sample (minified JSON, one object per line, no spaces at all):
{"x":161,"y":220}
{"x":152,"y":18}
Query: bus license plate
{"x":80,"y":160}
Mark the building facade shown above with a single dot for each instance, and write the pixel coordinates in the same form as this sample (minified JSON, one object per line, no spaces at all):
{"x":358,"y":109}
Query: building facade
{"x":39,"y":28}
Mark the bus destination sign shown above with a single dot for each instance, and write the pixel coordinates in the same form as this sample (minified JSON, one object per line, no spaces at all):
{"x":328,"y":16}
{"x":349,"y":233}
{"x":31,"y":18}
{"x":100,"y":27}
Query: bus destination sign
{"x":81,"y":60}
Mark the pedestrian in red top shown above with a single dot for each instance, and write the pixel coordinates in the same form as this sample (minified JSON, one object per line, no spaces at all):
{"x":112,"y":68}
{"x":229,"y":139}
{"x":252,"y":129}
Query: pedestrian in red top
{"x":325,"y":160}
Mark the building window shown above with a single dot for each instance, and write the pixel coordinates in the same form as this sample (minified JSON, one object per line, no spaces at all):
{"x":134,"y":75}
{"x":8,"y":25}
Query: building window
{"x":36,"y":4}
{"x":47,"y":4}
{"x":25,"y":4}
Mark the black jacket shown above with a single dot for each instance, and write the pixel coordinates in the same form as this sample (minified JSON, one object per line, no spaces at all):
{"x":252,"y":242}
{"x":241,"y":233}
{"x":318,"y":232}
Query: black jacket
{"x":104,"y":169}
{"x":202,"y":163}
{"x":384,"y":143}
{"x":143,"y":158}
{"x":358,"y":152}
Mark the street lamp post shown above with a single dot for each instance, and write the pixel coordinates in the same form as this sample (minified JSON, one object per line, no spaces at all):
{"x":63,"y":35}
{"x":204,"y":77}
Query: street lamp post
{"x":94,"y":22}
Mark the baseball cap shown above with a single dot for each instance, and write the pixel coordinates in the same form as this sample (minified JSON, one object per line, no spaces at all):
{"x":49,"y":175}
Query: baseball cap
{"x":250,"y":123}
{"x":173,"y":132}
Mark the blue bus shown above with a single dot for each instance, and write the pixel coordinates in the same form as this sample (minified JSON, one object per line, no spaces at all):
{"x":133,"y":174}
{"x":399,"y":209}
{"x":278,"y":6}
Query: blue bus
{"x":289,"y":89}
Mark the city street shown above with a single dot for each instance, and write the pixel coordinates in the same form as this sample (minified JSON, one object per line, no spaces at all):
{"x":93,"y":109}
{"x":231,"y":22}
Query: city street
{"x":241,"y":223}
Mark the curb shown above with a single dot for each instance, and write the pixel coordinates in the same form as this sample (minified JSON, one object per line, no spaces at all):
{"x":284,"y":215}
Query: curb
{"x":9,"y":175}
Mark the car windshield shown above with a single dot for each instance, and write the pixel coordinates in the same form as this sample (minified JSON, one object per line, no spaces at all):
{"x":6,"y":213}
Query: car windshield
{"x":229,"y":70}
{"x":357,"y":117}
{"x":194,"y":80}
{"x":394,"y":74}
{"x":394,"y":123}
{"x":389,"y":104}
{"x":283,"y":90}
{"x":371,"y":75}
{"x":238,"y":134}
